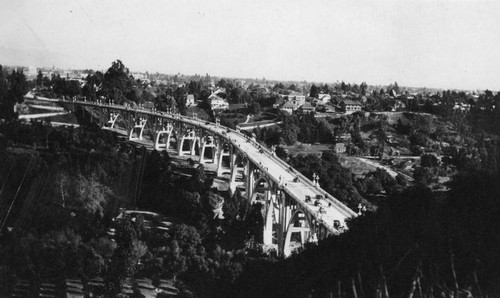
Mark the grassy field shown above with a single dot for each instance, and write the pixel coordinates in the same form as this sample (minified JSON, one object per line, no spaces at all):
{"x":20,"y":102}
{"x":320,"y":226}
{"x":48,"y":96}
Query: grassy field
{"x":302,"y":148}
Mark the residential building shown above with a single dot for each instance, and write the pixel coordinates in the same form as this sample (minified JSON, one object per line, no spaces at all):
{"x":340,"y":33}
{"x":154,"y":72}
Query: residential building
{"x":324,"y":98}
{"x":339,"y":148}
{"x":297,"y":97}
{"x":30,"y":72}
{"x":288,"y":107}
{"x":217,"y":101}
{"x":350,"y":106}
{"x":307,"y":108}
{"x":190,"y":101}
{"x":345,"y":137}
{"x":398,"y":106}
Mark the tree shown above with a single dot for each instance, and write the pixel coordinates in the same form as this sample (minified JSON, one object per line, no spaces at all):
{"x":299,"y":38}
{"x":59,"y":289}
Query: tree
{"x":422,"y":175}
{"x":199,"y":178}
{"x":13,"y":87}
{"x":429,"y":161}
{"x":87,"y":195}
{"x":18,"y":86}
{"x":123,"y":261}
{"x":93,"y":85}
{"x":281,"y":153}
{"x":39,"y":79}
{"x":180,"y":95}
{"x":344,"y":87}
{"x":363,"y":87}
{"x":72,"y":88}
{"x":6,"y":104}
{"x":418,"y":139}
{"x":314,"y":91}
{"x":222,"y":83}
{"x":255,"y":108}
{"x":119,"y":85}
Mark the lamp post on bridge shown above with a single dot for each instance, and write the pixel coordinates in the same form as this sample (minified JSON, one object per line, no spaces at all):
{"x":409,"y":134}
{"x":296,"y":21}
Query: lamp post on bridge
{"x":361,"y":209}
{"x":315,"y":180}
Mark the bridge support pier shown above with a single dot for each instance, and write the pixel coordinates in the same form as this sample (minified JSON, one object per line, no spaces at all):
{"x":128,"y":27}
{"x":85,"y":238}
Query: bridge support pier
{"x":190,"y":136}
{"x":235,"y":170}
{"x":223,"y":151}
{"x":139,"y":125}
{"x":112,"y":119}
{"x":269,"y":214}
{"x":208,"y":144}
{"x":159,"y":145}
{"x":299,"y":226}
{"x":249,"y":181}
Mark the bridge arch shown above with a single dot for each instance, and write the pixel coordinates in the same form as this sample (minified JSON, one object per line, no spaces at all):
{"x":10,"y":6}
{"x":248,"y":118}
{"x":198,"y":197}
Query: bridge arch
{"x":208,"y":152}
{"x":299,"y":231}
{"x":192,"y":140}
{"x":261,"y":189}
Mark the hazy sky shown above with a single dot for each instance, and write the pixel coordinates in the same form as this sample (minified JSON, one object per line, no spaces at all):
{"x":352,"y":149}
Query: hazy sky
{"x":447,"y":44}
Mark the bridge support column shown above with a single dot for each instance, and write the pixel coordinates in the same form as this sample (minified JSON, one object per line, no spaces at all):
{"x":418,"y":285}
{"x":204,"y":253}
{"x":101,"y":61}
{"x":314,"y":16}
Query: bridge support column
{"x":112,"y":120}
{"x":195,"y":141}
{"x":249,"y":180}
{"x":222,"y":153}
{"x":189,"y":136}
{"x":166,"y":139}
{"x":234,"y":171}
{"x":285,"y":213}
{"x":139,"y":125}
{"x":208,"y":144}
{"x":299,"y":225}
{"x":267,"y":238}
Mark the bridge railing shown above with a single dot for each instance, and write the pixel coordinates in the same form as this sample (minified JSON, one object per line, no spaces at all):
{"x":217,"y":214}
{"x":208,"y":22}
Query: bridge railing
{"x":306,"y":180}
{"x":340,"y":206}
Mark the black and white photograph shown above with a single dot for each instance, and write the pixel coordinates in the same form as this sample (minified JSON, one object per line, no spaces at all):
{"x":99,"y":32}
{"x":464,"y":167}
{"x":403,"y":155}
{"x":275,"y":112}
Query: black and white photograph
{"x":237,"y":148}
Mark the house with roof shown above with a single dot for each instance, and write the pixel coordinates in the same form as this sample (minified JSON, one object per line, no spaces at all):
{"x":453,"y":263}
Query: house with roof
{"x":307,"y":108}
{"x":350,"y":106}
{"x":190,"y":102}
{"x":339,"y":148}
{"x":297,"y":97}
{"x":217,"y":103}
{"x":398,"y":106}
{"x":323,"y":98}
{"x":288,"y":107}
{"x":217,"y":100}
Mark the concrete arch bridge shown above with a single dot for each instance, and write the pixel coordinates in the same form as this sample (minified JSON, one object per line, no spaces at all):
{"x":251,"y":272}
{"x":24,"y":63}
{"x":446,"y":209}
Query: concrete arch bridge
{"x":295,"y":210}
